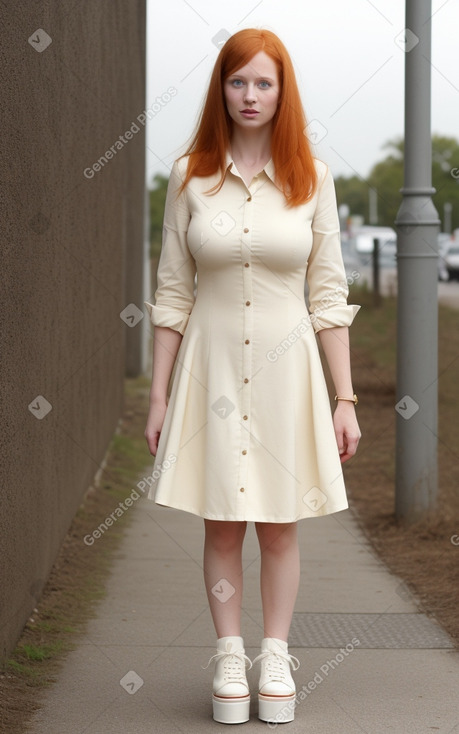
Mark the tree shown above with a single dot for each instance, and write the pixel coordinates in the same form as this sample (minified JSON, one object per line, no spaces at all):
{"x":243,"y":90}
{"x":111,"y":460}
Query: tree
{"x":353,"y":191}
{"x":386,"y":177}
{"x":157,"y":201}
{"x":445,"y":177}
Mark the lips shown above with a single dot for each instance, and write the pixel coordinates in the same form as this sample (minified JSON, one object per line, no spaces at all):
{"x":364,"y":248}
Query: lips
{"x":249,"y":112}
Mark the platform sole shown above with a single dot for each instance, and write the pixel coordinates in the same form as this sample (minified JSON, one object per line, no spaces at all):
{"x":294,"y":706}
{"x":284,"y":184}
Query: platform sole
{"x":276,"y":709}
{"x":231,"y":710}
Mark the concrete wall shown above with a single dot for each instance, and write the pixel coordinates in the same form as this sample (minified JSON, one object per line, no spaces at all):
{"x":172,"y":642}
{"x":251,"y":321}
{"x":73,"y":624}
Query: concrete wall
{"x":72,"y":252}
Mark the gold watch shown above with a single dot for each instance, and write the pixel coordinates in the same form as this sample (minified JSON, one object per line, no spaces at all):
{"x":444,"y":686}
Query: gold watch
{"x":354,"y":399}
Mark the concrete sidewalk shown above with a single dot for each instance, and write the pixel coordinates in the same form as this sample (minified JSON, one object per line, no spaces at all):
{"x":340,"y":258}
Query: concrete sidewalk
{"x":138,"y":668}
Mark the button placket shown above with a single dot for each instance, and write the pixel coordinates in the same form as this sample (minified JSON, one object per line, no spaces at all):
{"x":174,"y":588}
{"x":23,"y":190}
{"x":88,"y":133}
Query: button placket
{"x":246,"y":344}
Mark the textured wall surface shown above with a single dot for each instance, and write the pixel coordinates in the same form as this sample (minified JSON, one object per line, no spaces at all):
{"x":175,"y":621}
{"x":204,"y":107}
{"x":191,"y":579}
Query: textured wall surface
{"x":73,"y":82}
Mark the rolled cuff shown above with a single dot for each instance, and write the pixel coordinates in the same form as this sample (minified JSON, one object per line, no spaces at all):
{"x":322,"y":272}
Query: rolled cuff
{"x":328,"y":318}
{"x":167,"y":317}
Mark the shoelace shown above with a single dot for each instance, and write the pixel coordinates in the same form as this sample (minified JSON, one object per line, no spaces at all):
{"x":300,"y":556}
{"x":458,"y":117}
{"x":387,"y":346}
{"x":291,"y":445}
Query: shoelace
{"x":233,"y":666}
{"x":275,"y":665}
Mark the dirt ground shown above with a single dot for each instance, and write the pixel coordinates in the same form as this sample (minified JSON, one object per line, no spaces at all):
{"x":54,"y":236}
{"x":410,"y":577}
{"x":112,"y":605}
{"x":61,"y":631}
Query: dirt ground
{"x":77,"y":580}
{"x":425,"y":555}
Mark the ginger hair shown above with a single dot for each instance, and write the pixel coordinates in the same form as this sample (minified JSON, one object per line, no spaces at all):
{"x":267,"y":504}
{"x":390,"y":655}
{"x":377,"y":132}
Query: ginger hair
{"x":292,"y":157}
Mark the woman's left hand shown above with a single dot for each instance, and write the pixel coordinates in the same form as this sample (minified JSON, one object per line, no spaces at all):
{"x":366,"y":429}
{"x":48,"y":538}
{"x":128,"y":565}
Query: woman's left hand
{"x":347,"y":429}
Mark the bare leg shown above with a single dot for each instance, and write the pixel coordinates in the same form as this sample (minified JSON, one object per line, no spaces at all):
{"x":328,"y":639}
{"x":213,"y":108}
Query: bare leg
{"x":223,"y":573}
{"x":280,"y":576}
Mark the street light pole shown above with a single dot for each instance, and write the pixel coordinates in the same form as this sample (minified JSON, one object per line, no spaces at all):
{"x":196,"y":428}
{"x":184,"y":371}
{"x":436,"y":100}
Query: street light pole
{"x":417,"y":225}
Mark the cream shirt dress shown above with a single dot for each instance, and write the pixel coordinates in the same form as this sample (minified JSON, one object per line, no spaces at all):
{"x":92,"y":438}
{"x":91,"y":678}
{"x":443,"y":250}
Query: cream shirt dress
{"x":248,"y":431}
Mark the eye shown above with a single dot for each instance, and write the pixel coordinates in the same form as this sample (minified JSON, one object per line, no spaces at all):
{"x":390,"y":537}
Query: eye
{"x":264,"y":85}
{"x":236,"y":82}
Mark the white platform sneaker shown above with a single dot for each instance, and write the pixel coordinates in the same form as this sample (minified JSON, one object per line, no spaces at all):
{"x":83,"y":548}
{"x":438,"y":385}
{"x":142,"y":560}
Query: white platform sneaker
{"x":277,"y":692}
{"x":231,"y":695}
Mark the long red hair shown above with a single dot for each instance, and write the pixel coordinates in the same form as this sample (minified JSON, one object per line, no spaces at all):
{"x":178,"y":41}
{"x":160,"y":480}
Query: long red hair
{"x":292,"y":157}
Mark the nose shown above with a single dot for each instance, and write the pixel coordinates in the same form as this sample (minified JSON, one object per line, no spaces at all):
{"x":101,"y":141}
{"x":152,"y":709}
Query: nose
{"x":250,"y":95}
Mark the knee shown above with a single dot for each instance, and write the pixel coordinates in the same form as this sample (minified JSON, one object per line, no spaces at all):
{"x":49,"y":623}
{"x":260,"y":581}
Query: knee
{"x":277,"y":538}
{"x":225,"y":537}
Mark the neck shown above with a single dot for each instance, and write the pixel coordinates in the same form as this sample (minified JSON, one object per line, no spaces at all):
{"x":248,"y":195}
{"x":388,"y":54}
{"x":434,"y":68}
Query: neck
{"x":251,"y":146}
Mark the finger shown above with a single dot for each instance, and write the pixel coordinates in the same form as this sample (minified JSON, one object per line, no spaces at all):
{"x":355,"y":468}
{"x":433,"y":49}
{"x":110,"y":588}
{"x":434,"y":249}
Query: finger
{"x":351,"y":448}
{"x":152,"y":443}
{"x":340,"y":441}
{"x":352,"y":444}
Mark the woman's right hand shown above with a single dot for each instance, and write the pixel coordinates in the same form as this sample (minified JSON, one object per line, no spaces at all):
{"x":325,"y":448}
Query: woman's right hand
{"x":154,"y":425}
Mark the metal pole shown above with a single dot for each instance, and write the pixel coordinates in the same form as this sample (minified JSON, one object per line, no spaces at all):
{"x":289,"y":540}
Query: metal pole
{"x":447,"y":212}
{"x":417,"y":225}
{"x":373,"y":206}
{"x":375,"y":263}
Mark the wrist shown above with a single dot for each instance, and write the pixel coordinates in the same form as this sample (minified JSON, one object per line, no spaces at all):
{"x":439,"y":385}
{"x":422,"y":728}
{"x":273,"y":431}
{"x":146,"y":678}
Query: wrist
{"x":345,"y":406}
{"x":158,"y":399}
{"x":346,"y":398}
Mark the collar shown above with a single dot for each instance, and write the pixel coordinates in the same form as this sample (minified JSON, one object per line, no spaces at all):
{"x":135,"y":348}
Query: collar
{"x":268,"y":169}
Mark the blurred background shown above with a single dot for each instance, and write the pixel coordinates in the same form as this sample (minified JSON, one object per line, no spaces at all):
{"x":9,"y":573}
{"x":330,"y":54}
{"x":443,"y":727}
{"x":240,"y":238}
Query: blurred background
{"x":349,"y":61}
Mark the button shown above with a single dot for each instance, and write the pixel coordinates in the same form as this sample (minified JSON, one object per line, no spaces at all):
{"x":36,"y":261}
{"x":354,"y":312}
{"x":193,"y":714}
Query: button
{"x":246,"y":379}
{"x":247,"y":303}
{"x":246,"y":229}
{"x":247,"y":341}
{"x":246,"y":265}
{"x":245,"y":417}
{"x":241,"y":489}
{"x":244,"y":451}
{"x":249,"y":198}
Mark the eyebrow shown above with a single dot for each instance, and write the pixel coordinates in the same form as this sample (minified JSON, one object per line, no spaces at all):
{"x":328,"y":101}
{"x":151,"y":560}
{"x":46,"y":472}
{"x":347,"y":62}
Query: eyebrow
{"x":241,"y":76}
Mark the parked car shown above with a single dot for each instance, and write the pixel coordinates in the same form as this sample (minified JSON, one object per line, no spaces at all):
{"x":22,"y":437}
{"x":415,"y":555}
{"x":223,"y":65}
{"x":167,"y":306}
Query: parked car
{"x":387,"y":252}
{"x":451,"y":261}
{"x":351,"y":260}
{"x":444,"y":240}
{"x":361,"y":242}
{"x":363,"y":237}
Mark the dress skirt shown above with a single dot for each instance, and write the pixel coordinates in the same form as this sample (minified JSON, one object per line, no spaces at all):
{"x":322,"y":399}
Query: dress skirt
{"x":248,"y":433}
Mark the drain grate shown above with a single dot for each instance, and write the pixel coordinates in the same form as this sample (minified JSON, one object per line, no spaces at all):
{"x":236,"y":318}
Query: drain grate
{"x":385,"y":631}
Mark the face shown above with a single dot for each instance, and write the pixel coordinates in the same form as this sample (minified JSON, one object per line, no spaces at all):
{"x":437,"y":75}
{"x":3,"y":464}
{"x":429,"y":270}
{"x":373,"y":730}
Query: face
{"x":252,"y":93}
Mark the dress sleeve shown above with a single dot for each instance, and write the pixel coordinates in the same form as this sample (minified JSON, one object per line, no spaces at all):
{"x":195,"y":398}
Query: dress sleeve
{"x":326,"y":276}
{"x":174,"y":297}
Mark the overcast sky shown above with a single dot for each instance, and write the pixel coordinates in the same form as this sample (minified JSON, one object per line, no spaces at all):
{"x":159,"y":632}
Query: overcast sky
{"x":349,"y":66}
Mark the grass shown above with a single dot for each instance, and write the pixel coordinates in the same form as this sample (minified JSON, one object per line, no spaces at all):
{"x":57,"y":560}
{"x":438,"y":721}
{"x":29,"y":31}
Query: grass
{"x":27,"y":654}
{"x":77,"y":580}
{"x":420,"y":552}
{"x":373,"y":340}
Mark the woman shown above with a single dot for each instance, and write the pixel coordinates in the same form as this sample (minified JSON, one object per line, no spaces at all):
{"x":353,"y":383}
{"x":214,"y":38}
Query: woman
{"x":239,"y":418}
